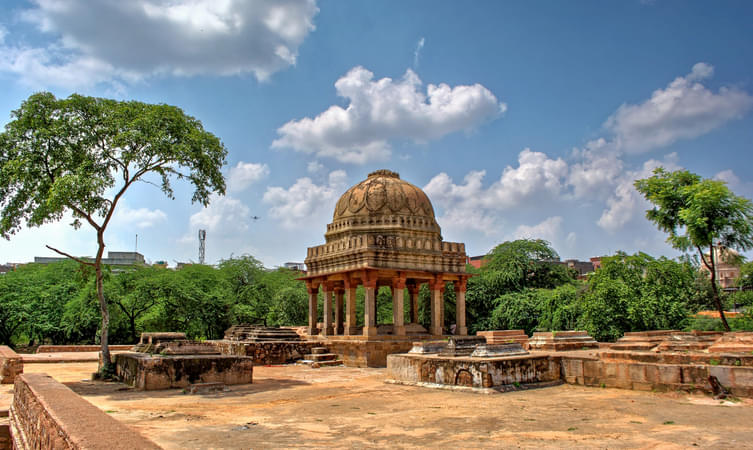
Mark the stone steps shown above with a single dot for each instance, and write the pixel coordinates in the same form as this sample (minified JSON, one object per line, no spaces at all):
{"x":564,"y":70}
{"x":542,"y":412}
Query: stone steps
{"x":319,"y":357}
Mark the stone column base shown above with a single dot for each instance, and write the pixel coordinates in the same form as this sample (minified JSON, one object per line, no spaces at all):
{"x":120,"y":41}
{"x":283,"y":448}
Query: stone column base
{"x":399,"y":330}
{"x":327,"y":331}
{"x":351,"y":331}
{"x":369,"y":331}
{"x":462,"y":331}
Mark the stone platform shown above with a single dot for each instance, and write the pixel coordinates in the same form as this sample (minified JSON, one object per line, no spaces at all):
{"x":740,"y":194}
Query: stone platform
{"x":505,"y":337}
{"x":153,"y":372}
{"x":561,"y":341}
{"x":738,"y":342}
{"x":256,"y":333}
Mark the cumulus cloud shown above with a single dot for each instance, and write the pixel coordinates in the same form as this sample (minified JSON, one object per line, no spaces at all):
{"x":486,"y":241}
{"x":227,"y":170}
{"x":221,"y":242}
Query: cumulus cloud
{"x":314,"y":167}
{"x":379,"y":111}
{"x":626,"y":203}
{"x":736,"y":185}
{"x":139,"y":218}
{"x":549,"y":229}
{"x":685,"y":109}
{"x":595,"y":171}
{"x":471,"y":205}
{"x":295,"y":206}
{"x":224,"y":216}
{"x":115,"y":41}
{"x":244,"y":174}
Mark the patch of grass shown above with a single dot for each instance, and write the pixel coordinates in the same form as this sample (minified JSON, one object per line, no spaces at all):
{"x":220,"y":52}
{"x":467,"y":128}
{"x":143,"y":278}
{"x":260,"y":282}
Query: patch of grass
{"x":572,"y":428}
{"x":110,"y":411}
{"x":635,"y":421}
{"x":669,"y":422}
{"x":603,"y":385}
{"x":319,"y":420}
{"x":516,"y":384}
{"x":530,"y":420}
{"x":738,"y":362}
{"x":372,"y":413}
{"x":714,"y":362}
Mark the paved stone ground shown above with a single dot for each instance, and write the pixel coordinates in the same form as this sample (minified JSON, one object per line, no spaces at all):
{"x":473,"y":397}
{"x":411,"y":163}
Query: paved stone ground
{"x":295,"y":406}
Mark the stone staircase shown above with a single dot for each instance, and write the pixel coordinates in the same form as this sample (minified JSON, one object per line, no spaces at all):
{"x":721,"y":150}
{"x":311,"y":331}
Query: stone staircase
{"x":320,"y":357}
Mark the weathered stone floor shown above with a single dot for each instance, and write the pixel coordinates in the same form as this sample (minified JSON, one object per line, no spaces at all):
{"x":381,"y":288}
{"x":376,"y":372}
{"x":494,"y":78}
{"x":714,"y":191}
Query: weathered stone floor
{"x":295,"y":406}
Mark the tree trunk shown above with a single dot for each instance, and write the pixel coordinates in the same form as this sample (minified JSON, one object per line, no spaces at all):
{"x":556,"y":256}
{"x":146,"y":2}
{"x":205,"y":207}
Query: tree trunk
{"x":105,"y":331}
{"x":717,"y":300}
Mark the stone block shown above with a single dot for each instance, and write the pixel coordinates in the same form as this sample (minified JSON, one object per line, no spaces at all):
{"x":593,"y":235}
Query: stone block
{"x":669,"y":375}
{"x":637,"y":373}
{"x":11,"y":365}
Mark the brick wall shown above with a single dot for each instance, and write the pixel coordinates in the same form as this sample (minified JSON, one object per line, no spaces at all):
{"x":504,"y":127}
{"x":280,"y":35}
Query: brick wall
{"x":46,"y":414}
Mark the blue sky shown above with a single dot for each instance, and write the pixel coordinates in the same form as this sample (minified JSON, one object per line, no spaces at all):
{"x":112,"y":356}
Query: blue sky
{"x":519,"y":119}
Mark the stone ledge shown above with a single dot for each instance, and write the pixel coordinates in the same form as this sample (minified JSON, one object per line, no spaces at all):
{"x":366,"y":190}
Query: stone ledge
{"x":45,"y":414}
{"x":79,"y":348}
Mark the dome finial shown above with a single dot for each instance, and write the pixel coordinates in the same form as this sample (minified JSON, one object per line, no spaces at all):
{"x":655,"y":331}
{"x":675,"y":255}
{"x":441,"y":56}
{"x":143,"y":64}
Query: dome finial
{"x":384,"y":173}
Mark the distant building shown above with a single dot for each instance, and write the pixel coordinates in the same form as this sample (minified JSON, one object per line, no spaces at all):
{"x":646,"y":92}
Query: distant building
{"x":727,"y":267}
{"x":582,"y":267}
{"x":113,"y":259}
{"x":299,"y":266}
{"x":476,"y":261}
{"x":5,"y":268}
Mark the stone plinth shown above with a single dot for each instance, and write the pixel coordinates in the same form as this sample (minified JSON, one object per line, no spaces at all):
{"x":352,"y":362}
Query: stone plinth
{"x":46,"y":414}
{"x":461,"y":345}
{"x":498,"y":350}
{"x":505,"y":337}
{"x":561,"y":341}
{"x":154,"y":372}
{"x":687,"y":342}
{"x":467,"y":372}
{"x":428,"y":347}
{"x":11,"y":365}
{"x":642,"y":340}
{"x":738,"y":342}
{"x":256,"y":333}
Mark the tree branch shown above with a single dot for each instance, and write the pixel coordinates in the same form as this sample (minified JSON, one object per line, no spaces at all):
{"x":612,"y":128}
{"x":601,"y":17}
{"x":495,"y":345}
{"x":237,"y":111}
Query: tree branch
{"x":79,"y":260}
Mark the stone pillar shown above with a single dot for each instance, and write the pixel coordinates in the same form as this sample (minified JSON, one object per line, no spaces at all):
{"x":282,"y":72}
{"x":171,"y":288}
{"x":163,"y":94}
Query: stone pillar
{"x":313,"y":290}
{"x":339,"y":311}
{"x":460,"y":328}
{"x":437,"y":305}
{"x":398,"y":306}
{"x":351,"y":329}
{"x":327,"y":313}
{"x":369,"y":308}
{"x":413,"y":292}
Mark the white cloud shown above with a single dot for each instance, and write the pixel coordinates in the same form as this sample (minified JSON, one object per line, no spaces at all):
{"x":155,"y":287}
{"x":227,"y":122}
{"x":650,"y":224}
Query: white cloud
{"x":685,"y":109}
{"x":244,"y":174}
{"x":383,"y":110}
{"x":224,"y":216}
{"x":299,"y":205}
{"x":417,"y":52}
{"x":114,"y":41}
{"x":626,"y":203}
{"x":314,"y":167}
{"x":470,"y":205}
{"x":596,"y":171}
{"x":549,"y":229}
{"x":139,"y":218}
{"x":735,"y":184}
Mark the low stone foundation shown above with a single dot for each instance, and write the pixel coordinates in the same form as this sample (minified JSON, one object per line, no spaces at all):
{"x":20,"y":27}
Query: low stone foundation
{"x":360,"y":352}
{"x":11,"y":365}
{"x":505,"y":337}
{"x":153,"y":372}
{"x":559,"y":341}
{"x":266,"y":353}
{"x":496,"y":373}
{"x":45,"y":414}
{"x":79,"y":348}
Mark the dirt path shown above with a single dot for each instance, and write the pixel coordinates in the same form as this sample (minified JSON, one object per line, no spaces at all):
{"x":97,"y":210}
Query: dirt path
{"x":295,"y":406}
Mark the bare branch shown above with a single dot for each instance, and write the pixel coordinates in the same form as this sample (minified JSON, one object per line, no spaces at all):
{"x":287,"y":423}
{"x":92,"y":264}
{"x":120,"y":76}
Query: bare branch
{"x":79,"y":260}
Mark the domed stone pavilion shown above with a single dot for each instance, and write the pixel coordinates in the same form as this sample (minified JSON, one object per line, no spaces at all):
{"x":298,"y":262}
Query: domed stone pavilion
{"x":383,"y":233}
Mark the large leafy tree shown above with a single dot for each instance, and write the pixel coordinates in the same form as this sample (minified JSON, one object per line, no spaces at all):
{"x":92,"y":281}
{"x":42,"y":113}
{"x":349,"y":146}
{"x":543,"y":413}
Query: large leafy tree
{"x":80,"y":155}
{"x":700,"y":215}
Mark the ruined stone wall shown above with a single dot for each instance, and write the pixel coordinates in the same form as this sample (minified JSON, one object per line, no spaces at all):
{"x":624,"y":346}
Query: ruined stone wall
{"x":154,"y":372}
{"x":11,"y":365}
{"x":663,"y":373}
{"x":265,"y":353}
{"x":366,"y":353}
{"x":473,"y":372}
{"x":46,"y":414}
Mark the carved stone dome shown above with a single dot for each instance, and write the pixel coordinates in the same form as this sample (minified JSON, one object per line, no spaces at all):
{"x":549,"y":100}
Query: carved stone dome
{"x":383,"y":199}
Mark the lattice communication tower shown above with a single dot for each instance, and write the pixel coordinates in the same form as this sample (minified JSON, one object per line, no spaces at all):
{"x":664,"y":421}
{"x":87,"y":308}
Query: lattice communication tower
{"x":202,"y":245}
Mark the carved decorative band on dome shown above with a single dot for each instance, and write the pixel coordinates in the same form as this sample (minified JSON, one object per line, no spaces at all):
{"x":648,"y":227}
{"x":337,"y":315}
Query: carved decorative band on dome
{"x":384,"y":173}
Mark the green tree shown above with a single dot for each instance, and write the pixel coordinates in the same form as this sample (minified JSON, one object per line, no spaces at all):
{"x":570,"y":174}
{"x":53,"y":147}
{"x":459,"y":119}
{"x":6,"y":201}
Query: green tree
{"x":699,"y":214}
{"x":81,"y":154}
